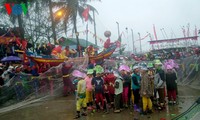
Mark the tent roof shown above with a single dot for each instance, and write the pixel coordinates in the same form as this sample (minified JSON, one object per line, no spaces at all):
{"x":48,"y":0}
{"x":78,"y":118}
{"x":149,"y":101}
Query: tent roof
{"x":73,"y":41}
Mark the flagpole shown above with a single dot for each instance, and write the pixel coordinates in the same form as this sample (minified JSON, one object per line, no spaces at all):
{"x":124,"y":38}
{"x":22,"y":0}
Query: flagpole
{"x":95,"y":32}
{"x":119,"y":37}
{"x":140,"y":43}
{"x":133,"y":41}
{"x":86,"y":35}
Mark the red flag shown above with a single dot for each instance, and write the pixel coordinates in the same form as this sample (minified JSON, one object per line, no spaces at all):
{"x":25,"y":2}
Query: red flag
{"x":25,"y":58}
{"x":8,"y":8}
{"x":24,"y":44}
{"x":18,"y":41}
{"x":118,"y":43}
{"x":85,"y":13}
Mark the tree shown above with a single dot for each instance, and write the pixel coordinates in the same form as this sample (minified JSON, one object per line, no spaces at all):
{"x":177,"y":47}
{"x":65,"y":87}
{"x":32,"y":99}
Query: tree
{"x":71,"y":9}
{"x":19,"y":18}
{"x":38,"y":26}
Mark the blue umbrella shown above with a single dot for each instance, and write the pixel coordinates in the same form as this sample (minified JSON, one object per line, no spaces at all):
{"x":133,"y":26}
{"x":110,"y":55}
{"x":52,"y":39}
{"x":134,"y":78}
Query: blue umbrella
{"x":10,"y":58}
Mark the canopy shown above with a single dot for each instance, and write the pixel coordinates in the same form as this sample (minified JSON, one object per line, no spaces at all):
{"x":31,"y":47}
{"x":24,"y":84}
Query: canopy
{"x":10,"y":58}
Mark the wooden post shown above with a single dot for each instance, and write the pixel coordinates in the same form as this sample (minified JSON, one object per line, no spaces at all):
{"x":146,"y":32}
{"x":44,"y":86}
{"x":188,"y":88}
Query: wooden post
{"x":51,"y":82}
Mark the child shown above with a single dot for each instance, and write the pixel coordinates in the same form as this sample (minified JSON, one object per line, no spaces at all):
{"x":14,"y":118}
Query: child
{"x":171,"y":84}
{"x":126,"y":87}
{"x":98,"y":86}
{"x":89,"y":95}
{"x":146,"y":91}
{"x":135,"y":85}
{"x":118,"y":92}
{"x":81,"y":93}
{"x":109,"y":80}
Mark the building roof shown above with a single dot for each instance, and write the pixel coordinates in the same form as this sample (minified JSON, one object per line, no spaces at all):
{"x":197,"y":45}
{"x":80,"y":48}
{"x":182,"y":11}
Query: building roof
{"x":72,"y":42}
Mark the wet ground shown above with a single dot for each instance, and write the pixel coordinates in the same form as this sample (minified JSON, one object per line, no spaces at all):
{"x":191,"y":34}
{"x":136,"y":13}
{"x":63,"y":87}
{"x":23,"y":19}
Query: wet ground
{"x":63,"y":108}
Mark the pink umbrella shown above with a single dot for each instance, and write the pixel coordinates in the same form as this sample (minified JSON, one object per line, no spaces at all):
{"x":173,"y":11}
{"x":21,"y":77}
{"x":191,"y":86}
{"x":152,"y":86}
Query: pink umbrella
{"x":124,"y":67}
{"x":169,"y":67}
{"x":172,"y":63}
{"x":77,"y":73}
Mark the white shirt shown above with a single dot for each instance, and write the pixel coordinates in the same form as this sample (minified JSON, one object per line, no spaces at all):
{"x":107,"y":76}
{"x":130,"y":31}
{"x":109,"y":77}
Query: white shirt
{"x":120,"y":89}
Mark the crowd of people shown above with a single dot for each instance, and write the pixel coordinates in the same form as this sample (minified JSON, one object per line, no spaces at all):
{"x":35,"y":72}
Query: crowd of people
{"x":167,"y":54}
{"x":142,"y":88}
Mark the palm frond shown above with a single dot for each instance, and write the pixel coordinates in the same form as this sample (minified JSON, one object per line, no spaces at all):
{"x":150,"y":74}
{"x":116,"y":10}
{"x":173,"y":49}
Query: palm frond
{"x":92,"y":8}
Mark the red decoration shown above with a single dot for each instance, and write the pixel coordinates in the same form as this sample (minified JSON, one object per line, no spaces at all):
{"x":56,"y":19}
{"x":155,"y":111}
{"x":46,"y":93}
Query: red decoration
{"x":85,"y":13}
{"x":107,"y":43}
{"x":118,"y":43}
{"x":8,"y":8}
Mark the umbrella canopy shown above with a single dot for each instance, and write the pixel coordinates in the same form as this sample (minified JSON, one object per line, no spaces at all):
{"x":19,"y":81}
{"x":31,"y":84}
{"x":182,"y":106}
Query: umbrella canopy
{"x":124,"y":67}
{"x":10,"y":58}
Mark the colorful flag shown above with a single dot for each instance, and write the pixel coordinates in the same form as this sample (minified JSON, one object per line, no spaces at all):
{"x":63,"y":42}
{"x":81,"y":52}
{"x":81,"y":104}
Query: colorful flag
{"x":118,"y":43}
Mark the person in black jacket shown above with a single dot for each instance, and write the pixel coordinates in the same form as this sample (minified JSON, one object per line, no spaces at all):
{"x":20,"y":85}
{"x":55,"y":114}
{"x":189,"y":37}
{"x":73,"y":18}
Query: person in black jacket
{"x":171,"y":85}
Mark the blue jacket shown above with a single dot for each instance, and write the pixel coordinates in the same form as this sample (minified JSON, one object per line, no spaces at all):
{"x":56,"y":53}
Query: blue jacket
{"x":135,"y":82}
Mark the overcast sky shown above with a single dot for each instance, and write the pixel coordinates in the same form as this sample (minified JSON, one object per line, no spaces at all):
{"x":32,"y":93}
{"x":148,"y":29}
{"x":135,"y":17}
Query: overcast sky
{"x":140,"y":15}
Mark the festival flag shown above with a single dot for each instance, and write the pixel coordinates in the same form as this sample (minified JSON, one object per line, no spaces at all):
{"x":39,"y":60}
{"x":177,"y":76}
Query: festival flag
{"x":24,"y":44}
{"x":118,"y":42}
{"x":18,"y":41}
{"x":143,"y":37}
{"x":8,"y":8}
{"x":85,"y":13}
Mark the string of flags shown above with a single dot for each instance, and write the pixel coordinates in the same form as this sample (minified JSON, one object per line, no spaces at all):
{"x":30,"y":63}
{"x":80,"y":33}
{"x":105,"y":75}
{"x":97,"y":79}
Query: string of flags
{"x":99,"y":38}
{"x":88,"y":31}
{"x":143,"y":37}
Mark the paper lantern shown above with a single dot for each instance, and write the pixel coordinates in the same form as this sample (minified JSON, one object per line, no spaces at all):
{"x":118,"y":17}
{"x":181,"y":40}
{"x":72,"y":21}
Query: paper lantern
{"x":107,"y":33}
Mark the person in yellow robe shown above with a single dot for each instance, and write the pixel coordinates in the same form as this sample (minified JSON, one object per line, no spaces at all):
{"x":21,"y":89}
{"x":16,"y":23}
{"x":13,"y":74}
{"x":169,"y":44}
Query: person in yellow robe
{"x":90,"y":50}
{"x":67,"y":52}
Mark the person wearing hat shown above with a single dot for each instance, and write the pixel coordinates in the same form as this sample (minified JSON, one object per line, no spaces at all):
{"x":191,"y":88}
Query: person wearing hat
{"x":126,"y":86}
{"x":135,"y":86}
{"x":89,"y":97}
{"x":146,"y":91}
{"x":98,"y":86}
{"x":81,"y":93}
{"x":171,"y":84}
{"x":159,"y":83}
{"x":118,"y":92}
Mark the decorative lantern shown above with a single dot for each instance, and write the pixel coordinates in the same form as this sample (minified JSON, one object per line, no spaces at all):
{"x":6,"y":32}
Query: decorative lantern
{"x":107,"y":34}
